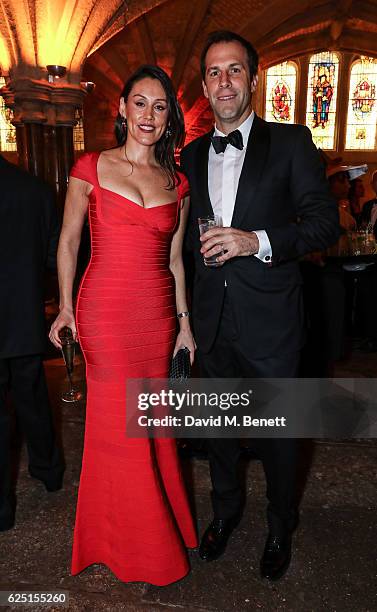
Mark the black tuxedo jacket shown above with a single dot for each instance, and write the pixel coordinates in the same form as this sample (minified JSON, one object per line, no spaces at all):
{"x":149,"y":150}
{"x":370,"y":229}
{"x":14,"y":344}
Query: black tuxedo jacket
{"x":283,"y":190}
{"x":29,"y":231}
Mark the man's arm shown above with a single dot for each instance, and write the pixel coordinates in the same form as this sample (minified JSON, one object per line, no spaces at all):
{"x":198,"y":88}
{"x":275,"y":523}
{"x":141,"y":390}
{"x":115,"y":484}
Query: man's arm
{"x":317,"y":225}
{"x":189,"y":238}
{"x":53,"y":229}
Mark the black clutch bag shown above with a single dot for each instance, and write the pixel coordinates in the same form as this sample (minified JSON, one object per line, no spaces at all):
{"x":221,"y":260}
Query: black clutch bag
{"x":180,"y":368}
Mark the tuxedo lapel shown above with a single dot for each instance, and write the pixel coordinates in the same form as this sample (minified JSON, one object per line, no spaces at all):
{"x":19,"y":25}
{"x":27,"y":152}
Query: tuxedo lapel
{"x":202,"y":175}
{"x":255,"y":159}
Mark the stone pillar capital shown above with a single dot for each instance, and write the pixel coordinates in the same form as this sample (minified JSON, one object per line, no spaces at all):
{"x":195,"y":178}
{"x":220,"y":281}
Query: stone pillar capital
{"x":38,"y":101}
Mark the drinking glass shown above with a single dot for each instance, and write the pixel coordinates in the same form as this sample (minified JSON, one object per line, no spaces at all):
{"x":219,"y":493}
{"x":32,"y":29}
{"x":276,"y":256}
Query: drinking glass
{"x":206,"y":223}
{"x":68,"y":351}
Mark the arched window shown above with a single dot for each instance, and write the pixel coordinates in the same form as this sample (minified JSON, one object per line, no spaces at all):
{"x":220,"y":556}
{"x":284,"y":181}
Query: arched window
{"x":362,"y":105}
{"x":281,"y":93}
{"x":7,"y":130}
{"x":78,"y":131}
{"x":321,"y":98}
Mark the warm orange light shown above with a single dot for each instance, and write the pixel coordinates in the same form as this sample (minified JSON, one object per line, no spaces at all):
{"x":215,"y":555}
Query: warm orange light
{"x":56,"y":32}
{"x":4,"y":57}
{"x":60,"y":32}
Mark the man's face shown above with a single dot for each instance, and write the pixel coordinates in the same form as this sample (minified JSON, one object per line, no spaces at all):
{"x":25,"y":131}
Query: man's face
{"x":228,"y":84}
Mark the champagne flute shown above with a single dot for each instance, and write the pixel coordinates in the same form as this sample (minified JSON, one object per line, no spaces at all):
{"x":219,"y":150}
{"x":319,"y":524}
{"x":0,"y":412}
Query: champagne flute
{"x":68,"y":350}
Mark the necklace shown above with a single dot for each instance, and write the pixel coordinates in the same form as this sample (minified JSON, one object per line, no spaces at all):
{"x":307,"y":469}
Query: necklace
{"x":125,"y":157}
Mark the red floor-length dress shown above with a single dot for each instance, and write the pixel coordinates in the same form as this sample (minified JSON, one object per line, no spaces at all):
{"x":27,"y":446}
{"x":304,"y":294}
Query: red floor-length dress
{"x":132,"y":511}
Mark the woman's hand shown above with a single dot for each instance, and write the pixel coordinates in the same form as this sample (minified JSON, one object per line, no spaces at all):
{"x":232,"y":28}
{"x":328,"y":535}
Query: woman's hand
{"x":64,"y":319}
{"x":185,"y":339}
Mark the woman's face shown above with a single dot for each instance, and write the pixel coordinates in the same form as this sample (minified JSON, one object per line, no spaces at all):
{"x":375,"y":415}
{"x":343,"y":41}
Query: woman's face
{"x":146,"y":111}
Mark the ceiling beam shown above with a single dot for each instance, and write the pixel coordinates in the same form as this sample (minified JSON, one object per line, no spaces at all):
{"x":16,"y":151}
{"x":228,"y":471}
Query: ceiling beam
{"x":110,"y":55}
{"x":135,"y":8}
{"x":191,"y":91}
{"x":363,"y":9}
{"x":199,"y":11}
{"x":108,"y":70}
{"x":193,"y":115}
{"x":319,"y":41}
{"x":105,"y":86}
{"x":141,"y":35}
{"x":294,"y":47}
{"x":307,"y":19}
{"x":366,"y":43}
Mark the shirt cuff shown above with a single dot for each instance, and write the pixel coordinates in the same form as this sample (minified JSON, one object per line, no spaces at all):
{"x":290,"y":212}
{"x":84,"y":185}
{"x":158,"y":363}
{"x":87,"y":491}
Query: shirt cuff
{"x":265,"y":251}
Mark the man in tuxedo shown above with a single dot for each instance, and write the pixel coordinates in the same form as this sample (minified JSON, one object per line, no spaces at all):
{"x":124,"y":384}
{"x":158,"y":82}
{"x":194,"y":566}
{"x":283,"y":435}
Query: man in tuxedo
{"x":29,"y":232}
{"x":369,"y":211}
{"x":368,"y":280}
{"x":267,"y":182}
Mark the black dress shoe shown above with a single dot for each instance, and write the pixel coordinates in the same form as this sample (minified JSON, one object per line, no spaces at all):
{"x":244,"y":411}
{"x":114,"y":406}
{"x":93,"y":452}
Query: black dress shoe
{"x":215,"y":538}
{"x":276,"y":557}
{"x":51,"y":487}
{"x":51,"y":484}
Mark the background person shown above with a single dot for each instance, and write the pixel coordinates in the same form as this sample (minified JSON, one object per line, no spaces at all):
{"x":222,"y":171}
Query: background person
{"x":29,"y":231}
{"x":355,"y":194}
{"x":369,"y":211}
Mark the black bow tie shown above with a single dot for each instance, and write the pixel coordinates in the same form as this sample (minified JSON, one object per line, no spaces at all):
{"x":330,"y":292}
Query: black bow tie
{"x":234,"y":138}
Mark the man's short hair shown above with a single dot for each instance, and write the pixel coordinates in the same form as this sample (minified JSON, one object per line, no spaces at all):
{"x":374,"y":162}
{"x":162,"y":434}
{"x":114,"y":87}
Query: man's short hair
{"x":228,"y":36}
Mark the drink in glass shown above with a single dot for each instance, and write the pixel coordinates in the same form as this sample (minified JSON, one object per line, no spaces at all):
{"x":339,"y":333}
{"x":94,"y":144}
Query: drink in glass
{"x":68,"y":351}
{"x":206,"y":223}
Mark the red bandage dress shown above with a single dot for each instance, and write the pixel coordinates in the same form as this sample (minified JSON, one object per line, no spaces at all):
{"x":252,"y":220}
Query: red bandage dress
{"x":132,"y":511}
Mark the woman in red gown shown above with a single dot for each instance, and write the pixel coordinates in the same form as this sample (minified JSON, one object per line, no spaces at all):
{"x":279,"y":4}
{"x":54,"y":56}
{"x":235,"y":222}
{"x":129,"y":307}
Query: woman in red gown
{"x":132,"y":512}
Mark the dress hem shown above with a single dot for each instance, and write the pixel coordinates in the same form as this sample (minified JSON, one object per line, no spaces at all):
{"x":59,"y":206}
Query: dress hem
{"x":158,"y":583}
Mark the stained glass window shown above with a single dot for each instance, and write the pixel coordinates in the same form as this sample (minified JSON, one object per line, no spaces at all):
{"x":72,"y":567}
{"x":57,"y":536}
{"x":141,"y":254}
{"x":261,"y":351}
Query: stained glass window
{"x":281,"y":93}
{"x":362,"y":105}
{"x":7,"y":130}
{"x":78,"y":132}
{"x":321,"y":99}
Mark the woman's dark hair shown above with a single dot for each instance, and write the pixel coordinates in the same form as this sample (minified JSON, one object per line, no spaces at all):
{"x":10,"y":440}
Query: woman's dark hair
{"x":228,"y":36}
{"x":174,"y":134}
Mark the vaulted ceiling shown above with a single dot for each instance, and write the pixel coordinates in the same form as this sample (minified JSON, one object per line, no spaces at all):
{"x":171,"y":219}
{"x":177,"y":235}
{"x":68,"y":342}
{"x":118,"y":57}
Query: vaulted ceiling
{"x":108,"y":39}
{"x":172,"y":33}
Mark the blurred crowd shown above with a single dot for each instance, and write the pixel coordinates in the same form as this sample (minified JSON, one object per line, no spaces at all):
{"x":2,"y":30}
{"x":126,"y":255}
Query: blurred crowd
{"x":340,"y":285}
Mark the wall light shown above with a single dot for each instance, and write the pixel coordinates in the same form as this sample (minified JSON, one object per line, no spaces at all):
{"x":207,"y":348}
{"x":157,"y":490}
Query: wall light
{"x":88,"y":86}
{"x":55,"y":72}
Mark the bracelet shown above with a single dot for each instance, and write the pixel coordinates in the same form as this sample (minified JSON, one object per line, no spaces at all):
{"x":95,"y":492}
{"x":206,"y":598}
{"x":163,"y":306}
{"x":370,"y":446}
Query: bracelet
{"x":181,"y":315}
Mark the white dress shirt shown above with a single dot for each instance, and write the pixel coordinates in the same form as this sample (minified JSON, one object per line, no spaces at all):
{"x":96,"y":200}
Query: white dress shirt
{"x":224,"y":171}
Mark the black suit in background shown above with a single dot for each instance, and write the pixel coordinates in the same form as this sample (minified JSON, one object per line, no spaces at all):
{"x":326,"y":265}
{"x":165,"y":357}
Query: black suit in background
{"x":366,"y":214}
{"x":29,"y":232}
{"x":254,"y":326}
{"x":367,"y":289}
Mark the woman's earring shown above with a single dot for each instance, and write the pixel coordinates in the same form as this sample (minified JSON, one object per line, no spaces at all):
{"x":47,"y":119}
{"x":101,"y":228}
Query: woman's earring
{"x":124,"y":123}
{"x":168,"y":132}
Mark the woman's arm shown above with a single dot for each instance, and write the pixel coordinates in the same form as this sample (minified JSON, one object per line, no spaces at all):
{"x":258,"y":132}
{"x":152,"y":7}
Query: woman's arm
{"x":75,"y":209}
{"x":185,"y":337}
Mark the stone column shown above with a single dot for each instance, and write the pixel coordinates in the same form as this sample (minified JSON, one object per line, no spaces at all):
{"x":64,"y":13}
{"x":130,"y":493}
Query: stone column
{"x":44,"y":116}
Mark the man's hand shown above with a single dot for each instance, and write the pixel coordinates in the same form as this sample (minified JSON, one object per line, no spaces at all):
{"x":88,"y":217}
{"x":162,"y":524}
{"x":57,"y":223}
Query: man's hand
{"x":234,"y":243}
